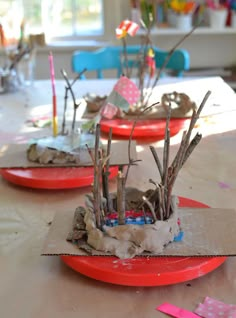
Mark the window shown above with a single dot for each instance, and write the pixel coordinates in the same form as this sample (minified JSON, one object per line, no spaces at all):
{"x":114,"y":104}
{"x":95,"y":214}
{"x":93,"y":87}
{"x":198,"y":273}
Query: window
{"x":56,"y":18}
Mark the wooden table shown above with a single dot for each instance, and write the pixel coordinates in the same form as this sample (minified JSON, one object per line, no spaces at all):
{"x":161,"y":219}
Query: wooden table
{"x":39,"y":286}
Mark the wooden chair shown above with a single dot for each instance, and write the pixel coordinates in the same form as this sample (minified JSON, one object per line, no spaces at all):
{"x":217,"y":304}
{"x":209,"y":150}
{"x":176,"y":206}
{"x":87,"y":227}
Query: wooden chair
{"x":110,"y":58}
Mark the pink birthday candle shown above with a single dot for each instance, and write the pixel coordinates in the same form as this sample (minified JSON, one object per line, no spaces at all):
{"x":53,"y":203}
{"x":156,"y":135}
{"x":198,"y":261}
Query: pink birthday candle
{"x":54,"y":99}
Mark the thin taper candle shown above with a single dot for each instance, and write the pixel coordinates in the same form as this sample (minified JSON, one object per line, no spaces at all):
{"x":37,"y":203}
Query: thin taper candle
{"x":54,"y":98}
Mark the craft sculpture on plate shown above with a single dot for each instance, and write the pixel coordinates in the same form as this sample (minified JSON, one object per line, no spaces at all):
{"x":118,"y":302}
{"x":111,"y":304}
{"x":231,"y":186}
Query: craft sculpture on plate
{"x":139,"y":64}
{"x":131,"y":222}
{"x":68,"y":146}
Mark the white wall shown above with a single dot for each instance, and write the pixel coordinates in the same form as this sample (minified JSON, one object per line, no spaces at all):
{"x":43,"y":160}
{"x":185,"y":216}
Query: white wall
{"x":208,"y":49}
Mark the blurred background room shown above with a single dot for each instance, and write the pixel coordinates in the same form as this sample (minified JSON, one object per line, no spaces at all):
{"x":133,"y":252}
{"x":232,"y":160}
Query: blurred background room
{"x":64,"y":26}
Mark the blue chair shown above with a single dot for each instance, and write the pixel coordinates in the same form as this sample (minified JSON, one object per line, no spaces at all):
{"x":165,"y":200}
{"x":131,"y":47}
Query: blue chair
{"x":100,"y":60}
{"x":110,"y":58}
{"x":178,"y":63}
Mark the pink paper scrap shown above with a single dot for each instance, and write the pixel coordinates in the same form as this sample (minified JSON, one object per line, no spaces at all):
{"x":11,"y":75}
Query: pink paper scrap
{"x":223,"y":185}
{"x":127,"y":89}
{"x":212,"y":308}
{"x":175,"y":311}
{"x":109,"y":111}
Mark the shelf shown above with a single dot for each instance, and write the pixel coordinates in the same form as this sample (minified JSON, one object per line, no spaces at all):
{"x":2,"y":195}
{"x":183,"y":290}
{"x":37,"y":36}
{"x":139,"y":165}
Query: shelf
{"x":200,"y":30}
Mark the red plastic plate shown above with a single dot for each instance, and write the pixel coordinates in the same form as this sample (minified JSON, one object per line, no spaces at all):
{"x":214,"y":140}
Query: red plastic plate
{"x":151,"y":128}
{"x":53,"y":178}
{"x":145,"y":271}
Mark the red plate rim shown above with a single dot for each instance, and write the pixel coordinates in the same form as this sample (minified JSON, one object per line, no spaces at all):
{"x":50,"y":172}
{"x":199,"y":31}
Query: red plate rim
{"x":145,"y":271}
{"x":144,"y":128}
{"x":53,"y":178}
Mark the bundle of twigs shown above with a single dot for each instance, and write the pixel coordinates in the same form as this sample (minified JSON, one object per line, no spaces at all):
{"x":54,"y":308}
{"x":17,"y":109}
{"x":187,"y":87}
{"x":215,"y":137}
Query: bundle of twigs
{"x":101,"y":195}
{"x":160,"y":199}
{"x":159,"y":202}
{"x":102,"y":198}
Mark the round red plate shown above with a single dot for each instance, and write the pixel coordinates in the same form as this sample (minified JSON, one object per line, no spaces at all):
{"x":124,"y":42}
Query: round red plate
{"x":145,"y":271}
{"x":53,"y":178}
{"x":151,"y":128}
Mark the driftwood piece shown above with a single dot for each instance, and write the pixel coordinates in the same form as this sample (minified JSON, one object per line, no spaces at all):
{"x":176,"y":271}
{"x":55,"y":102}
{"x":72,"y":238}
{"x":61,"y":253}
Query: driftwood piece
{"x":94,"y":102}
{"x":180,"y":103}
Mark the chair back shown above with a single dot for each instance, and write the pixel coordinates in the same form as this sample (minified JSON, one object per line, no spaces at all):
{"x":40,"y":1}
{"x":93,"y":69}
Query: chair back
{"x":98,"y":61}
{"x":177,"y":64}
{"x":111,"y":58}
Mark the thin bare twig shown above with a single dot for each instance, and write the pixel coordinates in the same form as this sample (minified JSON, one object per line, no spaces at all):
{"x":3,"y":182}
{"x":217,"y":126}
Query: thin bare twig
{"x":106,"y":173}
{"x":66,"y":99}
{"x":125,"y":56}
{"x":160,"y":200}
{"x":157,"y":160}
{"x":184,"y":151}
{"x":130,"y":139}
{"x":186,"y":139}
{"x":90,"y":153}
{"x":144,"y":215}
{"x":168,"y":57}
{"x":120,"y":198}
{"x":149,"y":204}
{"x":96,"y":186}
{"x":18,"y":57}
{"x":64,"y":111}
{"x":166,"y":148}
{"x":191,"y":147}
{"x":69,"y":88}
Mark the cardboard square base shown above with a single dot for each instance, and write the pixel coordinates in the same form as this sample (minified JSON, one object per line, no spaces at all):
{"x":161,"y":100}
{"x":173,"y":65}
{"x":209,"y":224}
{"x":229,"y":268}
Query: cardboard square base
{"x":14,"y":156}
{"x":207,"y":232}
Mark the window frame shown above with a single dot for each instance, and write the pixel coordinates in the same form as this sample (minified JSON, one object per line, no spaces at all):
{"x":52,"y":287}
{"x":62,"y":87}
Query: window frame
{"x":113,"y":12}
{"x":110,"y":22}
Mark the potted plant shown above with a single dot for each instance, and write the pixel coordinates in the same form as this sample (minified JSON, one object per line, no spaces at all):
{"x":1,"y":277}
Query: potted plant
{"x":217,"y":14}
{"x":233,"y":13}
{"x":183,"y":10}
